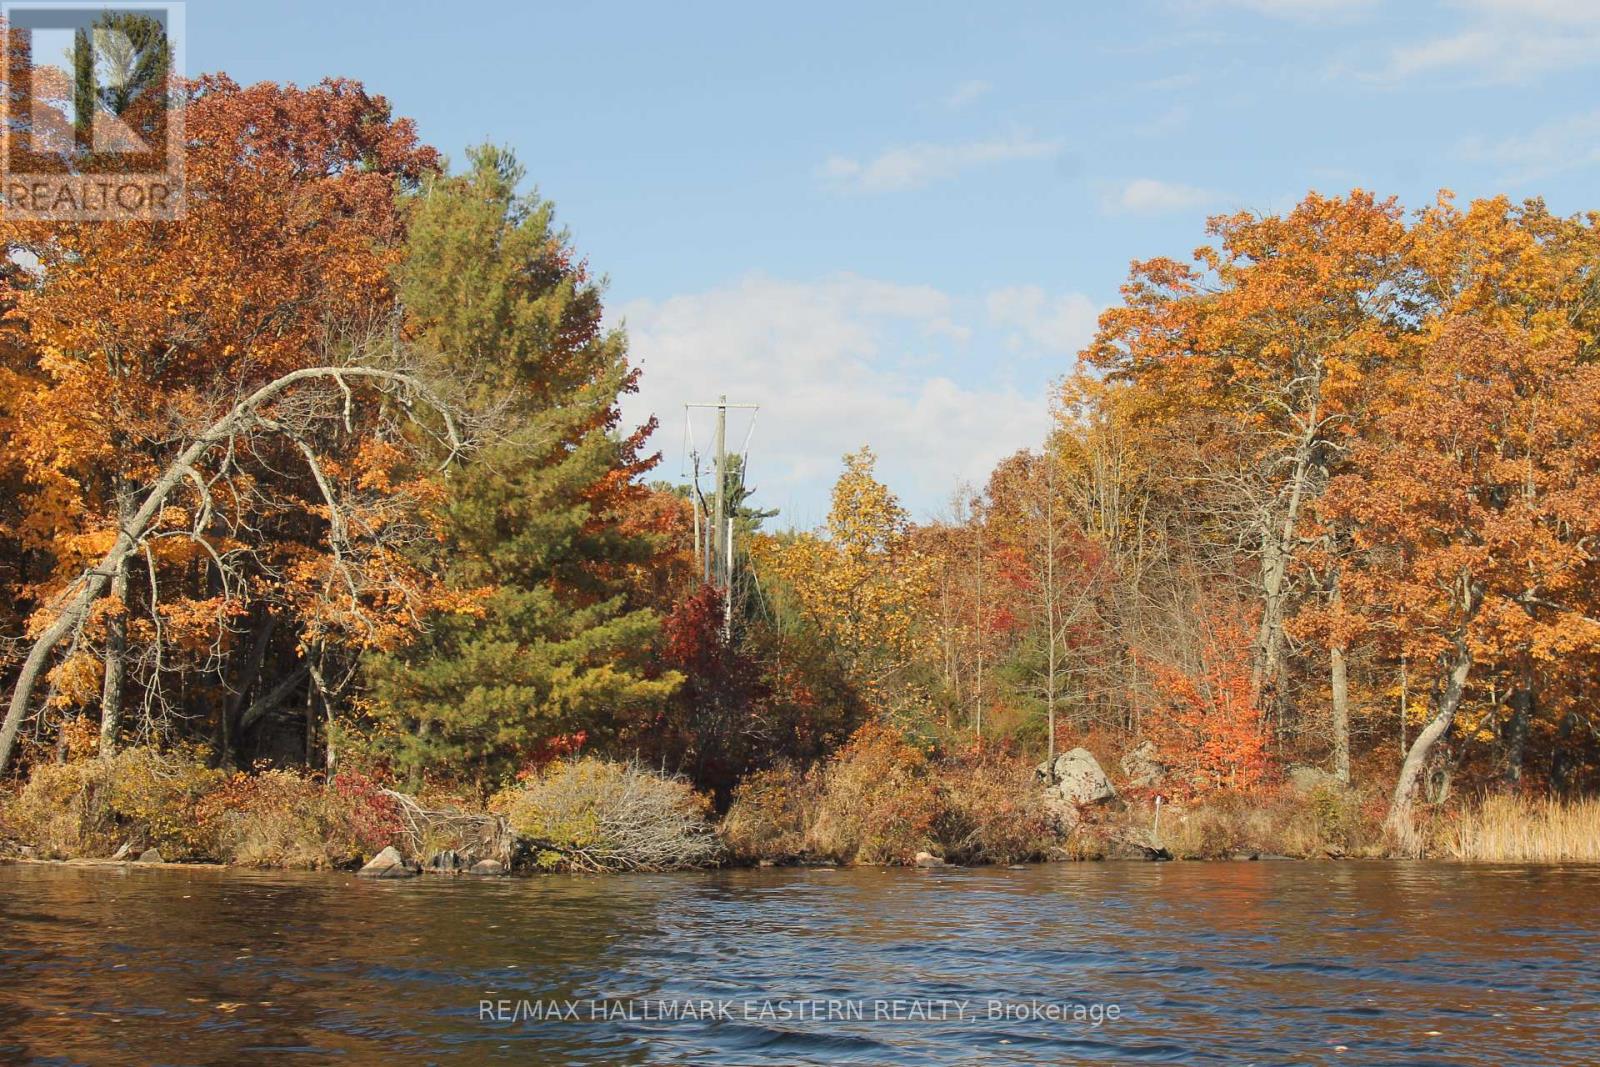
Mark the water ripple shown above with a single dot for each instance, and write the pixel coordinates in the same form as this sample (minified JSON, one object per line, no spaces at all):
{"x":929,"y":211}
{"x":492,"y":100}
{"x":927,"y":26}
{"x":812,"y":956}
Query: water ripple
{"x":1204,"y":963}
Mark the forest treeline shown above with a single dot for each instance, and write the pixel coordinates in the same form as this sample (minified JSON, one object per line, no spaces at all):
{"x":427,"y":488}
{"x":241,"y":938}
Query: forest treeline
{"x":330,"y":473}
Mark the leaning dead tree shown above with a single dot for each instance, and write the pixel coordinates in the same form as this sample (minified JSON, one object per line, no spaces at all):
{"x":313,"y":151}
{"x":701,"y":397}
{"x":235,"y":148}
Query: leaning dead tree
{"x":269,"y":411}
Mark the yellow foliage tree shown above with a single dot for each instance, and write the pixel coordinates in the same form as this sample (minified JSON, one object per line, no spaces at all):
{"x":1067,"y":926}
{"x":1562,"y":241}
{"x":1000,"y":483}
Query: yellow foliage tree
{"x":860,"y":579}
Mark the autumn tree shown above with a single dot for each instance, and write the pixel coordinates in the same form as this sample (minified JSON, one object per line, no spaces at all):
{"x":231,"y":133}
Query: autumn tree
{"x":1258,"y":354}
{"x":141,"y":335}
{"x":1475,"y":502}
{"x":859,"y":580}
{"x":1054,"y":575}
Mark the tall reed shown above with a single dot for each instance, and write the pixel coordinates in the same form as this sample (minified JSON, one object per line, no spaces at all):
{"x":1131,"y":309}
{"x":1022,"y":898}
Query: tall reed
{"x":1518,"y":830}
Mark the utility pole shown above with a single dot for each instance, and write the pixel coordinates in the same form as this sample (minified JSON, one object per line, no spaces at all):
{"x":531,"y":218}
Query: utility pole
{"x":720,"y":501}
{"x":718,"y":543}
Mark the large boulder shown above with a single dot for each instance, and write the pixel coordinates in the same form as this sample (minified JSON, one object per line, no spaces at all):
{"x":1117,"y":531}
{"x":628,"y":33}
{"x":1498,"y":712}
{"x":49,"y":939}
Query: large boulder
{"x":150,"y":855}
{"x":1076,"y":777}
{"x":1142,"y":768}
{"x":487,"y":868}
{"x":387,"y":864}
{"x":1307,"y":780}
{"x":1064,"y":814}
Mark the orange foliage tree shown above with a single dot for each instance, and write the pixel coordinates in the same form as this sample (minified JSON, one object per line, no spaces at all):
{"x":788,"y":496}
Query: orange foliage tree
{"x":1211,"y":732}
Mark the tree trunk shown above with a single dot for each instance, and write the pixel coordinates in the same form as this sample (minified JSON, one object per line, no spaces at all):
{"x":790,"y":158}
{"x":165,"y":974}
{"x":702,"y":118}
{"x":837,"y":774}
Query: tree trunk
{"x":231,"y":715}
{"x":1341,"y":714}
{"x":1522,"y":700}
{"x":116,"y":667}
{"x":1276,"y":554}
{"x":1398,"y":827}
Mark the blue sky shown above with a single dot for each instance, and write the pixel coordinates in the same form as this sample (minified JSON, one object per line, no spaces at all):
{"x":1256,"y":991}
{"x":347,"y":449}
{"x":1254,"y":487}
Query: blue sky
{"x":895,"y":225}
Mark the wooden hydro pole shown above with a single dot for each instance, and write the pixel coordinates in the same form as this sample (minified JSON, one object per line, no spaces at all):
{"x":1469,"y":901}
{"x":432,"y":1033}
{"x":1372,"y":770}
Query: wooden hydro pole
{"x":714,"y":550}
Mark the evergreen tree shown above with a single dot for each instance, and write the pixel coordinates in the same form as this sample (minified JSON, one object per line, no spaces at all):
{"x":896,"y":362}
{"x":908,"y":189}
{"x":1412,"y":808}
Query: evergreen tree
{"x":537,"y":525}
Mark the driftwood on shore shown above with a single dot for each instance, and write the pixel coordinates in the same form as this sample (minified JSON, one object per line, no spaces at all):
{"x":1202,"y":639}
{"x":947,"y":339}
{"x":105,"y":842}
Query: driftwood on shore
{"x":480,"y":834}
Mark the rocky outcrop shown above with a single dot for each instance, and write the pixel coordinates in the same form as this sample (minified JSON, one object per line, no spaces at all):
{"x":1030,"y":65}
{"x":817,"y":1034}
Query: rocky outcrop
{"x":928,"y":859}
{"x":150,"y":855}
{"x":487,"y":868}
{"x":387,"y":864}
{"x":1072,"y":782}
{"x":1077,"y":777}
{"x":1141,"y":768}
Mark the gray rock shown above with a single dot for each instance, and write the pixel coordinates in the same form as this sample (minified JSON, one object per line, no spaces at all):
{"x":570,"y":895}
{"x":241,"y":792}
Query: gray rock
{"x":1141,"y":768}
{"x":28,"y":852}
{"x":1132,"y":844}
{"x":1306,"y":780}
{"x":1077,"y":777}
{"x":487,"y":868}
{"x":387,"y":864}
{"x":151,"y":855}
{"x":928,"y":859}
{"x":1063,"y":813}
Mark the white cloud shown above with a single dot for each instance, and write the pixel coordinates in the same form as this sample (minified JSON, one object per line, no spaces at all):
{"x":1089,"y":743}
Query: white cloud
{"x":1502,"y":42}
{"x":1553,"y":10}
{"x":915,"y":165}
{"x":1562,"y":144}
{"x":967,"y":92}
{"x":834,"y":364}
{"x":1043,"y":324}
{"x":1150,"y":196}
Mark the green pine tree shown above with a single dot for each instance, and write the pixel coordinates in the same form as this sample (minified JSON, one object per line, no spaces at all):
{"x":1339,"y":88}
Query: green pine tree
{"x":538,"y":517}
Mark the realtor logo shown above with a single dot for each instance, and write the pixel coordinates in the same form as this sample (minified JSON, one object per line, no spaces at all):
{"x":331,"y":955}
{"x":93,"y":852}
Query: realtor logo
{"x":93,"y":120}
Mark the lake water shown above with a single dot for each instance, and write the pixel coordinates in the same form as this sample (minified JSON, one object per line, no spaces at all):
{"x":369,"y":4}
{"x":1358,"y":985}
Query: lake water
{"x":1074,"y":963}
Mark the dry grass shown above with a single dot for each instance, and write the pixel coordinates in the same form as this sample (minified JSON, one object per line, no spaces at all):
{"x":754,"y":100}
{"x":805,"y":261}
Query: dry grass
{"x":1326,"y":822}
{"x":1518,"y":830}
{"x":994,"y":812}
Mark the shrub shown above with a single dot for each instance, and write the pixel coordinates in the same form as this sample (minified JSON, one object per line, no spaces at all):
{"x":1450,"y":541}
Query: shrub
{"x":142,"y":796}
{"x":61,"y":811}
{"x":590,"y":815}
{"x":275,"y":818}
{"x":993,"y":812}
{"x":771,"y":814}
{"x":283,"y":818}
{"x":363,"y":815}
{"x":878,"y":803}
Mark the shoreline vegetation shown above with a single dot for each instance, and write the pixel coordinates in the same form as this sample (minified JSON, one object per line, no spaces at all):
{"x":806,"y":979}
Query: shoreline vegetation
{"x":879,"y":802}
{"x":323,"y":533}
